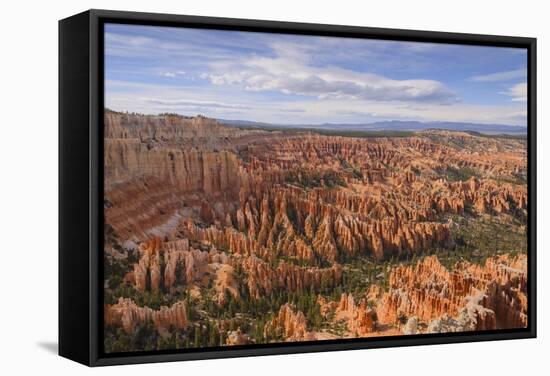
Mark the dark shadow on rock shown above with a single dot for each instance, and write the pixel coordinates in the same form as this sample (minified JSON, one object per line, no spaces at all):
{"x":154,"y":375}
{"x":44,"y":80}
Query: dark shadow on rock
{"x":50,"y":347}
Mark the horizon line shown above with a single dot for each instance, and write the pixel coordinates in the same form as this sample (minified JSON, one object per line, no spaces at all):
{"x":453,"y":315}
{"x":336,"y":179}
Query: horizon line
{"x":315,"y":124}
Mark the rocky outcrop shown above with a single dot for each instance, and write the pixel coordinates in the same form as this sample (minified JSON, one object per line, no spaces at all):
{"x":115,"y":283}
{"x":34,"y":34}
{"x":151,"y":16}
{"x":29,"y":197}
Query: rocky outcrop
{"x":236,"y":338}
{"x":218,"y":211}
{"x":140,"y":209}
{"x":162,"y":264}
{"x":424,"y":290}
{"x":359,"y":318}
{"x":187,"y":170}
{"x":263,"y":279}
{"x":507,"y":289}
{"x":155,"y":166}
{"x":288,"y":325}
{"x":126,"y":314}
{"x":150,"y":198}
{"x":473,"y":317}
{"x":225,"y":284}
{"x":411,"y":327}
{"x":469,"y":296}
{"x":279,"y":195}
{"x":168,"y":128}
{"x":320,"y":229}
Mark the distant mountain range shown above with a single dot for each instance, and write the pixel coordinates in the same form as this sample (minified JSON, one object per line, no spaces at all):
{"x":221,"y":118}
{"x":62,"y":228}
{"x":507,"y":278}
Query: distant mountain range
{"x":393,"y":125}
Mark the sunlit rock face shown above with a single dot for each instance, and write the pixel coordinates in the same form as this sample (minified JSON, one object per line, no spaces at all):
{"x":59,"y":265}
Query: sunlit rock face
{"x":220,"y":236}
{"x":290,"y":325}
{"x":476,"y":294}
{"x":126,"y":314}
{"x":359,"y":318}
{"x":262,"y":279}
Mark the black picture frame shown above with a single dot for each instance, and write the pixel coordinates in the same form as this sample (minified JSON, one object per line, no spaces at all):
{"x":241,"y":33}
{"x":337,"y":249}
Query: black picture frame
{"x":81,"y":185}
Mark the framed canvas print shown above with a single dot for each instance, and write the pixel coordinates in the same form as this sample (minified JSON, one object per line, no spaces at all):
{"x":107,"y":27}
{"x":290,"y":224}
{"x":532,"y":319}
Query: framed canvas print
{"x":238,"y":187}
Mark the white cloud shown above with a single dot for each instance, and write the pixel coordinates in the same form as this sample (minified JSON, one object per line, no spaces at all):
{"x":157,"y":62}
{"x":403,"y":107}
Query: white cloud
{"x":228,"y":102}
{"x":292,"y":71}
{"x":518,"y":92}
{"x":173,"y":74}
{"x":130,"y":41}
{"x":189,"y":100}
{"x":160,"y":49}
{"x":501,"y":76}
{"x":192,"y":103}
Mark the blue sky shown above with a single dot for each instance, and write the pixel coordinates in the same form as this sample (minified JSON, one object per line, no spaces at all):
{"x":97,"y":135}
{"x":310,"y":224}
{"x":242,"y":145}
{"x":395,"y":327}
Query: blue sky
{"x":294,"y":79}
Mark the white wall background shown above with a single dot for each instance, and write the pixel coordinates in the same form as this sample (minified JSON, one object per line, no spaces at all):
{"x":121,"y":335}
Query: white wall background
{"x":28,"y":185}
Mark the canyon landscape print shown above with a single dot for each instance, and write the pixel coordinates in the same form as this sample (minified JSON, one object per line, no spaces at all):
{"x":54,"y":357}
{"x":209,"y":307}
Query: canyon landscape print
{"x":263,"y":189}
